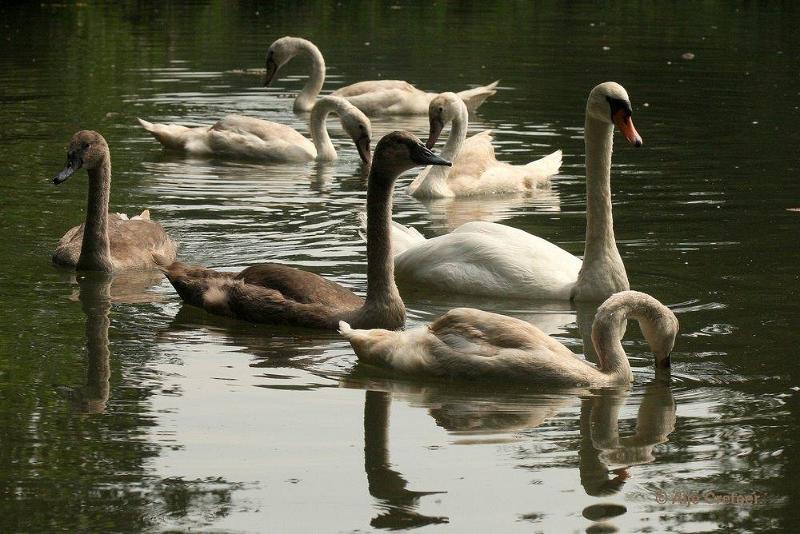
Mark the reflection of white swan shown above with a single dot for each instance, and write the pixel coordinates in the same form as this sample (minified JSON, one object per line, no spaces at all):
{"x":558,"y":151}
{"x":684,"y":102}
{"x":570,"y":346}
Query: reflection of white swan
{"x":492,"y":259}
{"x":246,"y":137}
{"x":106,"y":241}
{"x":475,"y":169}
{"x":451,"y":213}
{"x":601,"y":447}
{"x":474,"y":344}
{"x":377,"y":97}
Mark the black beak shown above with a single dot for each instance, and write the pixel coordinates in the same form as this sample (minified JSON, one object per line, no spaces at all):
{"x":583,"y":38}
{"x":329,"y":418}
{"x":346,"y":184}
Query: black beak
{"x":665,"y":363}
{"x":436,"y":128}
{"x":74,"y":163}
{"x":362,"y":145}
{"x":272,"y":68}
{"x":423,"y":156}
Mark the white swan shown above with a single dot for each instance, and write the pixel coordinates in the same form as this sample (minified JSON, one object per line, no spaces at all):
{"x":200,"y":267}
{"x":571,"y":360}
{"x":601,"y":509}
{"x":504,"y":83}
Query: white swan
{"x":475,"y":169}
{"x":246,"y":137}
{"x":470,"y":343}
{"x":376,"y":97}
{"x":483,"y":258}
{"x":106,"y":241}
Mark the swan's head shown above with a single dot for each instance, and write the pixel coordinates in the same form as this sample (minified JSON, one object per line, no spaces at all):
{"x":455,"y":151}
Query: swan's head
{"x":442,"y":110}
{"x":400,"y":151}
{"x":660,"y":335}
{"x":359,"y":128}
{"x":278,"y":54}
{"x":87,"y":149}
{"x":609,"y":103}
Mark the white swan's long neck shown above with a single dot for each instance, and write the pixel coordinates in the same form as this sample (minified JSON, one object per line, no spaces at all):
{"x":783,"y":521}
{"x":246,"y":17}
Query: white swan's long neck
{"x":458,"y":134}
{"x":95,"y":248}
{"x":319,"y":131}
{"x":305,"y":99}
{"x":434,"y":180}
{"x":602,"y":269}
{"x":383,"y":298}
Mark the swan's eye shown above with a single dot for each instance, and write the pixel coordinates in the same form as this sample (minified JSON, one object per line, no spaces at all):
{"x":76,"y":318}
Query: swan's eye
{"x":85,"y":146}
{"x":441,"y":109}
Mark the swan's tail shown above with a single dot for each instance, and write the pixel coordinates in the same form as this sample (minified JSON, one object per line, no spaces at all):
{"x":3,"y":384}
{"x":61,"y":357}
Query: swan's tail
{"x":169,"y":135}
{"x":402,"y":237}
{"x":345,"y":330}
{"x":545,"y":167}
{"x":370,"y":345}
{"x":473,"y":98}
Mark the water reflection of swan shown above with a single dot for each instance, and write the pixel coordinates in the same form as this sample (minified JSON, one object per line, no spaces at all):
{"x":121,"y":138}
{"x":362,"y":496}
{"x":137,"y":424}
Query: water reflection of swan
{"x":450,"y":213}
{"x":398,"y":503}
{"x":96,"y":293}
{"x":604,"y":456}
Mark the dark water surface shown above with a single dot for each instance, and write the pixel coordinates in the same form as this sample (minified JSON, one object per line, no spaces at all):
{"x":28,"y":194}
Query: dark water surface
{"x":122,"y":410}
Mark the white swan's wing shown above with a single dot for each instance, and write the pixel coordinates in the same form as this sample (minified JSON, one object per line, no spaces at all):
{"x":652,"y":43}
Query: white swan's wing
{"x":240,"y":136}
{"x":386,"y":97}
{"x":476,"y":155}
{"x":373,"y":86}
{"x":483,"y":258}
{"x":266,"y":130}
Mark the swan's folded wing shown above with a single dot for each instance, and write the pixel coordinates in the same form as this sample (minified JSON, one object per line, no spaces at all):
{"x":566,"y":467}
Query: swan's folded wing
{"x":372,"y":86}
{"x":475,"y":157}
{"x":486,"y":334}
{"x":265,"y":130}
{"x":263,"y":305}
{"x":300,"y":286}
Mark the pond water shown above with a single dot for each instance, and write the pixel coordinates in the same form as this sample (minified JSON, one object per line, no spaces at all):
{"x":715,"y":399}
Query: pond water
{"x":123,"y":410}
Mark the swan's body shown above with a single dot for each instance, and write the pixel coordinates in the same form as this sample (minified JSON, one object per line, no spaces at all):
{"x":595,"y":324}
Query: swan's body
{"x":237,"y":136}
{"x":278,"y":294}
{"x":484,"y":258}
{"x":376,"y":97}
{"x":469,"y":343}
{"x":106,"y":241}
{"x":475,"y":169}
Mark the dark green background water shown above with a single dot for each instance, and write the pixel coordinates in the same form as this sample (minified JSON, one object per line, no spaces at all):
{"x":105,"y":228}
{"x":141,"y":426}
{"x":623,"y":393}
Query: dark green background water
{"x":122,"y":410}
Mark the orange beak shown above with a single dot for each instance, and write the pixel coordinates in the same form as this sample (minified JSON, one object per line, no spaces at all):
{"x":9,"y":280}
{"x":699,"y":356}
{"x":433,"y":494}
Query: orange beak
{"x":625,"y":125}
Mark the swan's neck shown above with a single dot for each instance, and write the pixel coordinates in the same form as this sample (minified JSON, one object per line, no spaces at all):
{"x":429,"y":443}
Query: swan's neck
{"x":603,"y":272}
{"x":95,"y":249}
{"x":434,"y":180}
{"x":305,"y":99}
{"x":607,"y":331}
{"x":383,"y":298}
{"x":458,"y":134}
{"x":319,"y":131}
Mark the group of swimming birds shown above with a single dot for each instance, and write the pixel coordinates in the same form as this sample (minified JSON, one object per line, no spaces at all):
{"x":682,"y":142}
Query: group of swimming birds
{"x":478,"y":258}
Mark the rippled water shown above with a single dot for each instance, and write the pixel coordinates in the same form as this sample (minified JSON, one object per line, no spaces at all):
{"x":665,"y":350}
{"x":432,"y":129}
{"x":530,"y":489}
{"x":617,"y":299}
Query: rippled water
{"x":124,"y":410}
